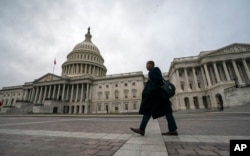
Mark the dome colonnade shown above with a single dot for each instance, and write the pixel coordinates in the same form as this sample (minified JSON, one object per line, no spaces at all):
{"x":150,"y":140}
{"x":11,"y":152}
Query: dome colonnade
{"x":84,"y":59}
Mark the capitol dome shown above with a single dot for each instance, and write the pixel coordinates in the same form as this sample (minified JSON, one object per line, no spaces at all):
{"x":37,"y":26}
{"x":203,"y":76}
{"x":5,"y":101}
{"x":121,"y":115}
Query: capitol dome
{"x":84,"y":59}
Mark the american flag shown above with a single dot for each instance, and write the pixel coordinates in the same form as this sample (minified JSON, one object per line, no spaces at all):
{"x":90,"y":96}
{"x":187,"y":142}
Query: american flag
{"x":54,"y":61}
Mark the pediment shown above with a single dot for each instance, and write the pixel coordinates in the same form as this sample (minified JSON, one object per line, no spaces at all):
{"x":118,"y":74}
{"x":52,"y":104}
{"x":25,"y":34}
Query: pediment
{"x":230,"y":49}
{"x":48,"y":77}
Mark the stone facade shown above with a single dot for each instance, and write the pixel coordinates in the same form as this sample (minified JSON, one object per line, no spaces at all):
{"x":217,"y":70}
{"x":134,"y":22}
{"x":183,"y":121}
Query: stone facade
{"x":212,"y":80}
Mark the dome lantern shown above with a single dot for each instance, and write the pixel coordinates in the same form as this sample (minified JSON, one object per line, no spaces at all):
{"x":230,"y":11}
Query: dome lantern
{"x":88,"y":36}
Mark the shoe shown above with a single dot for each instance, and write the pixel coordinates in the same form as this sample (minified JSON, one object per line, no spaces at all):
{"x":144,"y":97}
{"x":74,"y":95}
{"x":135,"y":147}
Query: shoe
{"x":175,"y":133}
{"x":138,"y":131}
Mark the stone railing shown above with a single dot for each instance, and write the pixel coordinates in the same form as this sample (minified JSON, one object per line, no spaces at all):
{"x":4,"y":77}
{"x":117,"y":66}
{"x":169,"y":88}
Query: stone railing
{"x":186,"y":58}
{"x":123,"y":74}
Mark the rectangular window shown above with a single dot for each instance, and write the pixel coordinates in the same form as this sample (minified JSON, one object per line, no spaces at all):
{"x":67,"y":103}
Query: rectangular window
{"x":99,"y":107}
{"x":126,"y":106}
{"x":134,"y":105}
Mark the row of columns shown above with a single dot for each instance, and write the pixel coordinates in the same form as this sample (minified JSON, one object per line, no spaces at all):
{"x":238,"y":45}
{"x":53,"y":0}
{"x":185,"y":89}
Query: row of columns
{"x":61,"y":92}
{"x":75,"y":109}
{"x":207,"y":74}
{"x":83,"y":68}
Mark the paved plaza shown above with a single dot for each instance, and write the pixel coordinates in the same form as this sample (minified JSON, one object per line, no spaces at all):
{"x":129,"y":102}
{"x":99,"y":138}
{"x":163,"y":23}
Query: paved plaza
{"x":200,"y":133}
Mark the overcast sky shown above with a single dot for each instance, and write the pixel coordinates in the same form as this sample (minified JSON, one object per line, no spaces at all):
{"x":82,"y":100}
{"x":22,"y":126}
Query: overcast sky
{"x":127,"y":32}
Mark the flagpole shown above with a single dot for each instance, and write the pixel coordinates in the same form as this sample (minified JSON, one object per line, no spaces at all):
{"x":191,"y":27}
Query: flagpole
{"x":54,"y":65}
{"x":53,"y":69}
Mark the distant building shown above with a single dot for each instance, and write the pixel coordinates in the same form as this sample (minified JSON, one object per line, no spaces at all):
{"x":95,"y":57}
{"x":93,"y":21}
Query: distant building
{"x":212,"y":80}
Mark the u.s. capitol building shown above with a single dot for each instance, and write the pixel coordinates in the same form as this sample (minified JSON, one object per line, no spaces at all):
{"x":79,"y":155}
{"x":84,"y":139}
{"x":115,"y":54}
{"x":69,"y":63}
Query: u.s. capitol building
{"x":213,"y":80}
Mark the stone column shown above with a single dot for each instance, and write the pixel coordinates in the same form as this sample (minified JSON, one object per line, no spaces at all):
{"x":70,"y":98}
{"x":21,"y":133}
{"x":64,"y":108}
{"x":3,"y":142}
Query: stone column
{"x":77,"y":68}
{"x":87,"y":93}
{"x":85,"y":70}
{"x":216,"y":72}
{"x":246,"y":68}
{"x":32,"y":95}
{"x":178,"y":80}
{"x":45,"y":92}
{"x":40,"y":95}
{"x":195,"y":79}
{"x":90,"y":92}
{"x":207,"y":75}
{"x":82,"y":92}
{"x":49,"y":96}
{"x":99,"y":71}
{"x":36,"y":93}
{"x":237,"y":72}
{"x":54,"y":91}
{"x":77,"y":87}
{"x":186,"y":80}
{"x":58,"y":91}
{"x":203,"y":77}
{"x":67,"y":93}
{"x":72,"y":90}
{"x":63,"y":92}
{"x":93,"y":69}
{"x":226,"y":71}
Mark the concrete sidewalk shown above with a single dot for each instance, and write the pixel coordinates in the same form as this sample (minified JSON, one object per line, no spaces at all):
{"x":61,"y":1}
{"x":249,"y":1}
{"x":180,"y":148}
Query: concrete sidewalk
{"x":152,"y":144}
{"x":199,"y":134}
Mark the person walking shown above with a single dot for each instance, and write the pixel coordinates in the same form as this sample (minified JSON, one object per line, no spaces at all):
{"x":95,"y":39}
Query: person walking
{"x":152,"y":105}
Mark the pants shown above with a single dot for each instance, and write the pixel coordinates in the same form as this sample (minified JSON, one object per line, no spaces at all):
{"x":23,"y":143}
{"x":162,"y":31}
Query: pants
{"x":170,"y":118}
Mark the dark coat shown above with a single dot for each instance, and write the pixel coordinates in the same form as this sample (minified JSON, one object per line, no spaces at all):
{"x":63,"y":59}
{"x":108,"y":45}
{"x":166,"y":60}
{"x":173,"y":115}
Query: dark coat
{"x":152,"y":103}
